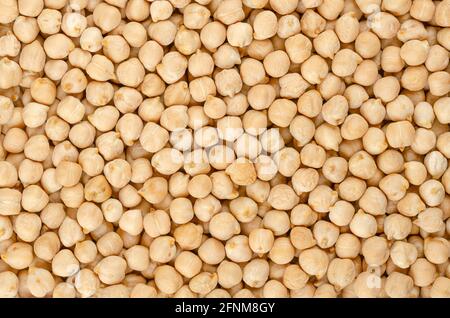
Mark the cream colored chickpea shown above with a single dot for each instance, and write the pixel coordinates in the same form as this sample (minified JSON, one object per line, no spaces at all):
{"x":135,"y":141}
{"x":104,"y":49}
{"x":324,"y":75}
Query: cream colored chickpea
{"x":347,"y":246}
{"x":314,"y":69}
{"x":256,"y":273}
{"x":363,"y":225}
{"x":27,"y":226}
{"x":85,"y":251}
{"x":436,"y":250}
{"x":314,"y":261}
{"x":111,"y":269}
{"x":211,"y":251}
{"x":398,"y":285}
{"x":9,"y":284}
{"x":188,"y":264}
{"x":64,"y":263}
{"x":237,"y":249}
{"x":30,"y":172}
{"x":313,"y":156}
{"x":223,"y":226}
{"x":110,"y":244}
{"x":436,"y":59}
{"x":432,"y":192}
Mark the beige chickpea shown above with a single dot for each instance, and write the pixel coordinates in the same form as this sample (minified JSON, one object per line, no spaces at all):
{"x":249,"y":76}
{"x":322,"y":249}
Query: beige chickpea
{"x":85,"y":251}
{"x":423,"y":272}
{"x":414,"y":52}
{"x":64,"y":290}
{"x":281,"y":112}
{"x":25,"y":28}
{"x":213,"y":35}
{"x":292,"y":85}
{"x":276,"y":221}
{"x":188,"y":264}
{"x":10,"y":45}
{"x":440,"y":287}
{"x":110,"y":244}
{"x":314,"y":261}
{"x":302,"y":129}
{"x":422,"y":10}
{"x":438,"y":83}
{"x":345,"y":62}
{"x":335,"y":110}
{"x":223,"y":226}
{"x":18,"y":255}
{"x":64,"y":264}
{"x":432,"y":192}
{"x":131,"y":222}
{"x":12,"y":73}
{"x":341,"y":272}
{"x":265,"y":25}
{"x":414,"y":78}
{"x":368,"y":45}
{"x":347,"y":246}
{"x":237,"y":249}
{"x":436,"y":59}
{"x":256,"y":273}
{"x":398,"y":285}
{"x":211,"y":251}
{"x":436,"y":250}
{"x":27,"y":226}
{"x":68,"y":173}
{"x":326,"y":44}
{"x":181,"y":210}
{"x":261,"y":240}
{"x":160,"y":10}
{"x":347,"y":27}
{"x":188,"y":236}
{"x":440,"y":109}
{"x":228,"y":82}
{"x":111,"y":269}
{"x":9,"y":284}
{"x":40,"y":282}
{"x":314,"y":69}
{"x":302,"y":238}
{"x":288,"y":25}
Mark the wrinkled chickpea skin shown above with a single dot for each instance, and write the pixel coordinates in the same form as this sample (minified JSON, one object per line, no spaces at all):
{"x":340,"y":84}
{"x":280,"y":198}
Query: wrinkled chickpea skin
{"x":232,"y":148}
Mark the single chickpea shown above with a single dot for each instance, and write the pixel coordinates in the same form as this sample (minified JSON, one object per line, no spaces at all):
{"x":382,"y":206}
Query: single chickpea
{"x":398,"y":285}
{"x":111,"y":269}
{"x":436,"y":250}
{"x":314,"y":69}
{"x":64,"y":263}
{"x":9,"y":284}
{"x":312,"y":24}
{"x":314,"y":261}
{"x":347,"y":246}
{"x":188,"y":264}
{"x":277,"y":63}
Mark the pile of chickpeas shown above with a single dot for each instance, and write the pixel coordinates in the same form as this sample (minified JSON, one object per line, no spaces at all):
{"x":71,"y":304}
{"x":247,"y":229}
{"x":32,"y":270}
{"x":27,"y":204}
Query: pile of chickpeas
{"x":224,"y":148}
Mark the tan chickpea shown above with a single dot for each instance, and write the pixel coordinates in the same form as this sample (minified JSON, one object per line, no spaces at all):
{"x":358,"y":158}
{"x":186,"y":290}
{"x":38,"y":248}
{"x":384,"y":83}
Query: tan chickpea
{"x":111,"y":269}
{"x":211,"y":251}
{"x":347,"y":246}
{"x":314,"y":69}
{"x":436,"y":250}
{"x":65,"y":264}
{"x":398,"y":285}
{"x":314,"y":261}
{"x":188,"y":264}
{"x":85,"y":251}
{"x":27,"y":226}
{"x":9,"y":283}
